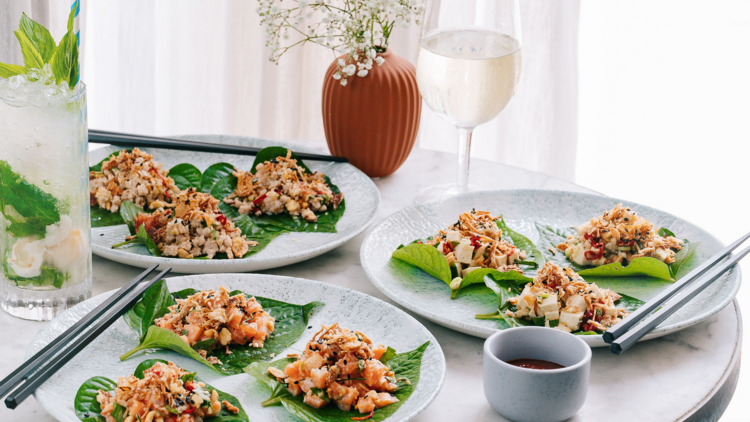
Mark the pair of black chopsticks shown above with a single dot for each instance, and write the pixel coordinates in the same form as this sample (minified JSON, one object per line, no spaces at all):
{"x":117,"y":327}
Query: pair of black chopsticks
{"x":35,"y":371}
{"x":640,"y":322}
{"x":143,"y":141}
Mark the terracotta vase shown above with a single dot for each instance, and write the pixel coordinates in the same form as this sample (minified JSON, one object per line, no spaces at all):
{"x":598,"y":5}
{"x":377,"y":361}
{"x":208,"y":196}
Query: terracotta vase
{"x":373,"y":121}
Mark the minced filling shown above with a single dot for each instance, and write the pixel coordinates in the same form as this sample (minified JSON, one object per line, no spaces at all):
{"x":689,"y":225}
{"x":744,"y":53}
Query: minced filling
{"x":619,"y":235}
{"x":131,"y":176}
{"x":167,"y":393}
{"x":282,"y":186}
{"x":342,"y":367}
{"x":475,"y":241}
{"x":192,"y":226}
{"x":213,"y":318}
{"x":567,"y":302}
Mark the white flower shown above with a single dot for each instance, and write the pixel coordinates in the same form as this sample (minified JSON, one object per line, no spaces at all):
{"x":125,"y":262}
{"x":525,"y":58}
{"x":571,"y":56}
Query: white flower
{"x":342,"y":63}
{"x":362,"y":73}
{"x":379,"y":60}
{"x":350,"y":69}
{"x":367,"y":34}
{"x":302,"y":4}
{"x":337,"y":75}
{"x":343,"y":82}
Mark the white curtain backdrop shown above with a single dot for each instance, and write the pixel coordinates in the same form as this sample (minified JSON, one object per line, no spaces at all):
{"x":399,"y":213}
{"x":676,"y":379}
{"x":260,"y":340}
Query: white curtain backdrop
{"x":195,"y":66}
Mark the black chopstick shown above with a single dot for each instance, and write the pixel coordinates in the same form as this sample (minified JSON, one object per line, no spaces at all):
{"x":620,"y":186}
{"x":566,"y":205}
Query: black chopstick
{"x":70,"y":349}
{"x":623,"y":326}
{"x":16,"y":377}
{"x":144,"y":141}
{"x":631,"y":337}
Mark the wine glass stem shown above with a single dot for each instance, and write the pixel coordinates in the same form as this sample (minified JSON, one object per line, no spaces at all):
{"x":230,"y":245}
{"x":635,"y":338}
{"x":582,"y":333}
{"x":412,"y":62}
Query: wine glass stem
{"x":464,"y":154}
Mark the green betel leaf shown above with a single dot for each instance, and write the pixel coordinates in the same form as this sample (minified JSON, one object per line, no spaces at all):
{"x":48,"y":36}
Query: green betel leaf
{"x":86,"y":406}
{"x":128,"y":213}
{"x":88,"y":409}
{"x":523,"y":243}
{"x":426,"y":258}
{"x":29,"y":209}
{"x":550,"y":237}
{"x":628,"y":302}
{"x":270,"y":153}
{"x":650,"y":267}
{"x":683,"y":260}
{"x":104,"y":218}
{"x":213,"y":174}
{"x":262,"y":235}
{"x":154,"y":304}
{"x":477,"y":277}
{"x":186,"y":176}
{"x":291,"y":322}
{"x":159,"y":338}
{"x":32,"y":59}
{"x":504,"y":290}
{"x":405,"y":365}
{"x":141,"y":238}
{"x":8,"y":70}
{"x":65,"y":61}
{"x":39,"y":37}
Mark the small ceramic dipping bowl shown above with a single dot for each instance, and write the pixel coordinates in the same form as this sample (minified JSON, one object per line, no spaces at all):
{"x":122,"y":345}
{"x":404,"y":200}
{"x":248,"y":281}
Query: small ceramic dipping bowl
{"x":536,"y":395}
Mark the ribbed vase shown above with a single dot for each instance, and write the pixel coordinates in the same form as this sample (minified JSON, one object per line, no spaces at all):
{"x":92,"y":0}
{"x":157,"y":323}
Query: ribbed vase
{"x":373,"y":121}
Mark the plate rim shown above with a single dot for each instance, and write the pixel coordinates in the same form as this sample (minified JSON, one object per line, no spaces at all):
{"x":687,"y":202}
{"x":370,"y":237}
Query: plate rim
{"x":442,"y":369}
{"x":242,"y":264}
{"x":593,"y":341}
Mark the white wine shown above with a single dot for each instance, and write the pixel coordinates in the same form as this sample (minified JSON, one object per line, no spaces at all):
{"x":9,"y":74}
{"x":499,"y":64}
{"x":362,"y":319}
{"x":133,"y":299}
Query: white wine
{"x":468,"y":76}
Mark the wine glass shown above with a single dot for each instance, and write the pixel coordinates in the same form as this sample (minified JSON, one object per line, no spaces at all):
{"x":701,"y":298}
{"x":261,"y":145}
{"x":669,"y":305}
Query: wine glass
{"x":468,"y":68}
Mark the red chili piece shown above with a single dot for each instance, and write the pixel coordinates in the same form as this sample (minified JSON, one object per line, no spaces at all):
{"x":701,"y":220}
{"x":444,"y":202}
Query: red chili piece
{"x":447,"y":248}
{"x":364,"y":417}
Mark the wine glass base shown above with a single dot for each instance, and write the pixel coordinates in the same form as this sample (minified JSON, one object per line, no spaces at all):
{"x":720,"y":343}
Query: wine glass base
{"x":440,"y":192}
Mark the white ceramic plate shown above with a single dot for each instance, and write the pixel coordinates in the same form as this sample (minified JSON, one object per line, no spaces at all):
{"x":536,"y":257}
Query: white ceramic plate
{"x":383,"y":323}
{"x":361,"y":195}
{"x":429,"y":297}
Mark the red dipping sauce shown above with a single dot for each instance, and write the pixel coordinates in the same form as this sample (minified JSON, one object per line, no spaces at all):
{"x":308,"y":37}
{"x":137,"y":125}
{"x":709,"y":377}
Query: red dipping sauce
{"x":535,"y":364}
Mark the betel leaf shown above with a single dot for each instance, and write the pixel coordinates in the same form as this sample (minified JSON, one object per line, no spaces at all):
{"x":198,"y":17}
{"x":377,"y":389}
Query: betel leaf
{"x":88,"y":409}
{"x":683,"y":259}
{"x":550,"y":237}
{"x":29,"y":209}
{"x":186,"y":176}
{"x":262,"y":235}
{"x":405,"y":365}
{"x":104,"y":218}
{"x":291,"y":322}
{"x":504,"y":290}
{"x":154,"y":304}
{"x":628,"y":303}
{"x":477,"y":277}
{"x":8,"y":70}
{"x":86,"y":406}
{"x":647,"y":266}
{"x":141,"y":238}
{"x":426,"y":258}
{"x":213,"y":174}
{"x":39,"y":37}
{"x":389,"y":354}
{"x":128,"y":213}
{"x":641,"y":266}
{"x":160,"y":338}
{"x":522,"y":242}
{"x":271,"y":153}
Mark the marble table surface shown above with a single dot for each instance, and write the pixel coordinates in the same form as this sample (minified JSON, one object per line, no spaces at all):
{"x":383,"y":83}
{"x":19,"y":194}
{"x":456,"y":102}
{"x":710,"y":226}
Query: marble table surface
{"x":687,"y":376}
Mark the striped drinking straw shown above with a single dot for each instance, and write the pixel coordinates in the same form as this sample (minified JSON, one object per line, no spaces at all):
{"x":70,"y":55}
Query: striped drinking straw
{"x":77,"y":30}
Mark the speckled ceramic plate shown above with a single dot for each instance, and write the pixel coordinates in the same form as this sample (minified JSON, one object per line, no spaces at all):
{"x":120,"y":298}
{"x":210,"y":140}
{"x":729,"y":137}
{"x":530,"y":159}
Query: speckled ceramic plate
{"x":361,"y":194}
{"x":383,"y":323}
{"x":429,"y":297}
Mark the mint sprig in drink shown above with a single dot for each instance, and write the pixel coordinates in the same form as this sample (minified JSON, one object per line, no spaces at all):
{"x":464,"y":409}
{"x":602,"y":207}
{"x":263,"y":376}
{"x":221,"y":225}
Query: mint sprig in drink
{"x":45,"y":254}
